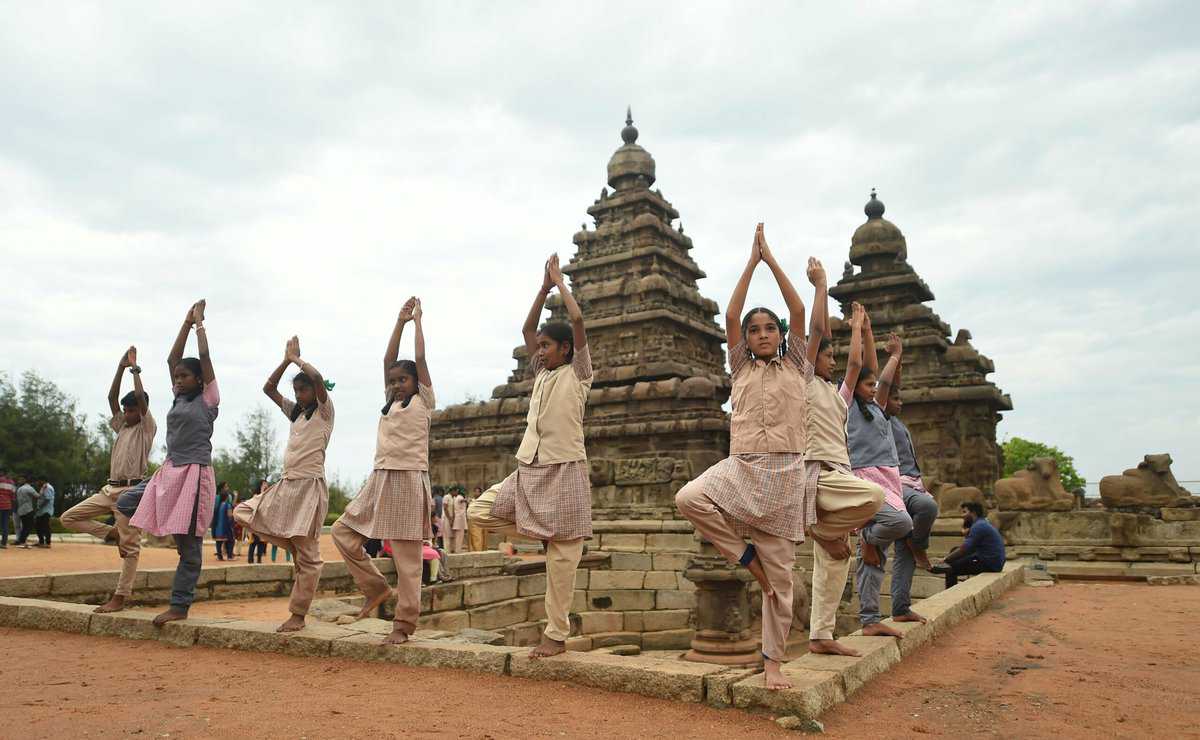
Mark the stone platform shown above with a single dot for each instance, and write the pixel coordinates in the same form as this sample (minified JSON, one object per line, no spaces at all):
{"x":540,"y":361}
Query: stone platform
{"x":820,"y":682}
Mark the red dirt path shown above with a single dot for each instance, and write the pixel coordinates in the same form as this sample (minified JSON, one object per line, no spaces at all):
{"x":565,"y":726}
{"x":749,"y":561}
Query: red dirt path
{"x":1074,"y":660}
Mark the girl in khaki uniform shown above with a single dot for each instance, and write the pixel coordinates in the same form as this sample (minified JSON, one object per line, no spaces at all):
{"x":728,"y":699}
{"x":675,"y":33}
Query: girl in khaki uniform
{"x":396,"y":502}
{"x":549,"y":496}
{"x":758,"y":491}
{"x":290,"y":513}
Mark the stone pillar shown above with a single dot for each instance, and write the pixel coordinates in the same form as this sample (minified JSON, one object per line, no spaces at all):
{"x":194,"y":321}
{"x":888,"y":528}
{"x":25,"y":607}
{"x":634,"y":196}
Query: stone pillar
{"x":723,"y":620}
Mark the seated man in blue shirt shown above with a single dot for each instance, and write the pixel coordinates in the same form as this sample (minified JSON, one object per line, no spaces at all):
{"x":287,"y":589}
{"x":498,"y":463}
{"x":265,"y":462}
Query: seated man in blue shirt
{"x":982,"y":550}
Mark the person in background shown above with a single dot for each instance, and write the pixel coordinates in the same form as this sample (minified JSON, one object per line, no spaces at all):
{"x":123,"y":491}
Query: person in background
{"x":239,"y":532}
{"x":45,"y":510}
{"x":476,"y":537}
{"x":459,"y":528}
{"x":27,"y":497}
{"x":8,"y":495}
{"x":982,"y":550}
{"x":258,"y":547}
{"x":222,"y":524}
{"x":439,"y":517}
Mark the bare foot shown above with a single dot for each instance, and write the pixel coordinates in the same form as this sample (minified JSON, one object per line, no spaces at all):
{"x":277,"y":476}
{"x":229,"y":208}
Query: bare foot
{"x":397,"y":637}
{"x":831,"y":647}
{"x":879,"y":629}
{"x":756,"y":570}
{"x":920,"y":556}
{"x":773,"y":676}
{"x":547,"y":648}
{"x":371,"y":605}
{"x":506,"y":548}
{"x":115,"y":604}
{"x":170,"y":615}
{"x":837,"y":549}
{"x":870,"y":554}
{"x":910,"y":617}
{"x":294,"y":623}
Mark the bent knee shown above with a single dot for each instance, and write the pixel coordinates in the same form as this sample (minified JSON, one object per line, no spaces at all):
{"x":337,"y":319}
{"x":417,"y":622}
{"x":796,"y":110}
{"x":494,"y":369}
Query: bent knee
{"x":688,"y":496}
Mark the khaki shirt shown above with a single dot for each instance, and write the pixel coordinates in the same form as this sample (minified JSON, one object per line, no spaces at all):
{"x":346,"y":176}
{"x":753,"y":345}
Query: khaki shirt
{"x":827,"y":413}
{"x":769,"y":400}
{"x":554,"y":425}
{"x":131,"y":450}
{"x":307,"y":439}
{"x":402,"y":442}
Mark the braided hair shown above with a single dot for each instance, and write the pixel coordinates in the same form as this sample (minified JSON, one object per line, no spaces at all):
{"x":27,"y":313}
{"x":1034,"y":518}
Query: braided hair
{"x":408,"y":367}
{"x":863,"y":406}
{"x":781,"y":324}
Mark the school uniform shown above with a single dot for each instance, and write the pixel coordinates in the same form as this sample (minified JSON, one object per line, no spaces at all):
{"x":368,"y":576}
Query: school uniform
{"x":178,"y":500}
{"x":873,"y":458}
{"x":549,"y":496}
{"x":394,"y":504}
{"x":844,"y":502}
{"x":759,"y":490}
{"x":458,"y":527}
{"x":127,"y":467}
{"x":921,"y":508}
{"x":291,"y":513}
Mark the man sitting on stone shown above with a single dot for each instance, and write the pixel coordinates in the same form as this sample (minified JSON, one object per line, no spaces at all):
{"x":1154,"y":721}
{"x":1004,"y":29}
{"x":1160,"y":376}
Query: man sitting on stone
{"x":982,"y":550}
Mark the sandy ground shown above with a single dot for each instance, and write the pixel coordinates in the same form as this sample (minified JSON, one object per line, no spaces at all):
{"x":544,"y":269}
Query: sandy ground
{"x":1073,"y":660}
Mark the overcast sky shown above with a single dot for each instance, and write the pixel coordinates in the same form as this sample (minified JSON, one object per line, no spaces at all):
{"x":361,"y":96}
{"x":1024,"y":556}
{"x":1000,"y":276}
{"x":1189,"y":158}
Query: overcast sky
{"x":306,"y":169}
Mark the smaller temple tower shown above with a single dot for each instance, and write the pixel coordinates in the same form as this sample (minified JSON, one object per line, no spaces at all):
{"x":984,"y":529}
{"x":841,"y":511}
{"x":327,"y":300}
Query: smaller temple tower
{"x":950,"y":406}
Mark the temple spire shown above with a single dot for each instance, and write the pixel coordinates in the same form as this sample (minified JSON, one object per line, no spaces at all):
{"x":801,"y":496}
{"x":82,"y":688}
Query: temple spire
{"x":629,"y":134}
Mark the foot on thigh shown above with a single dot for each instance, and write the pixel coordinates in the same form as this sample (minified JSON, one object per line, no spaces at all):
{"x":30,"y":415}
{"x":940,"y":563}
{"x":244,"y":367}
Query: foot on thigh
{"x":879,"y":629}
{"x":870,"y":554}
{"x":294,"y":623}
{"x":397,"y":637}
{"x":910,"y":617}
{"x":115,"y":604}
{"x":773,"y":676}
{"x":370,"y":605}
{"x":756,"y":569}
{"x":547,"y":648}
{"x":831,"y":647}
{"x":837,"y":549}
{"x":170,"y":615}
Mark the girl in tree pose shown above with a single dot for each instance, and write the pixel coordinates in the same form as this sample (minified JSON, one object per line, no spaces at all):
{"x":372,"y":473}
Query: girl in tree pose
{"x":758,"y":491}
{"x":290,"y":514}
{"x":178,"y":499}
{"x":549,"y":496}
{"x":396,"y":501}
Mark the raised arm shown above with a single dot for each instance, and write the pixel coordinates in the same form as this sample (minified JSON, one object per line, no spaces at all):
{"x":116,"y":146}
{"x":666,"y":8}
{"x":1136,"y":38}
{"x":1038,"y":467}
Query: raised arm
{"x":790,"y":297}
{"x":870,"y":356}
{"x":114,"y":390}
{"x":271,"y":387}
{"x":573,"y":313}
{"x":393,"y":346}
{"x":176,"y":353}
{"x":887,"y":380}
{"x":820,"y":310}
{"x":419,"y":349}
{"x":136,"y":371}
{"x":293,"y":355}
{"x":529,"y":330}
{"x":206,"y":366}
{"x":854,"y":362}
{"x":737,"y":301}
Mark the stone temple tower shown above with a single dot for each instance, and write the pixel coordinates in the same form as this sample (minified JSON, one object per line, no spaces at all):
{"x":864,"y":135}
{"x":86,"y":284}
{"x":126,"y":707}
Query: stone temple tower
{"x":654,"y":418}
{"x":950,"y":406}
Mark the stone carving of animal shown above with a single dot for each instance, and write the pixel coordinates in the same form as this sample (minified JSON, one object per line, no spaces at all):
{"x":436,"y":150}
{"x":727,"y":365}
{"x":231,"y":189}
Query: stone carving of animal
{"x":1036,"y":488}
{"x":1151,"y":483}
{"x":950,"y":497}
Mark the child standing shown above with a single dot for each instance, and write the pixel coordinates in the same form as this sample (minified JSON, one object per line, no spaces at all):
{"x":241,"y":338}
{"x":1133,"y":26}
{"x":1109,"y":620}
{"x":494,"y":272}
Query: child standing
{"x":222,"y":525}
{"x":844,"y":502}
{"x":290,"y":514}
{"x":135,"y":429}
{"x":758,"y":491}
{"x":396,"y":502}
{"x":178,"y":499}
{"x":549,"y":496}
{"x":459,"y":526}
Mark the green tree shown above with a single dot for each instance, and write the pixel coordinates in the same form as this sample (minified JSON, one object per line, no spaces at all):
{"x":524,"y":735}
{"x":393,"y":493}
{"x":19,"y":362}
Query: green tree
{"x":1019,"y":452}
{"x":255,"y":454}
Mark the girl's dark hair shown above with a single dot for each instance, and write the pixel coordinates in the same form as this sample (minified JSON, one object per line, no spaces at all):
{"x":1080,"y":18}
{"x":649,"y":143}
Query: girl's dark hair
{"x":560,"y":331}
{"x":778,"y":325}
{"x":408,"y":367}
{"x":131,"y":399}
{"x":297,"y":409}
{"x":193,"y":366}
{"x":863,"y":406}
{"x":824,"y":344}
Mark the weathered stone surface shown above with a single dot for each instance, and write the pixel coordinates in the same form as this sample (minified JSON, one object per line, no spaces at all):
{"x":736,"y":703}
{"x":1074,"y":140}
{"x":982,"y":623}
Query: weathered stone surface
{"x":619,"y":600}
{"x":438,"y":654}
{"x":666,"y":619}
{"x":671,"y":543}
{"x":449,"y":621}
{"x":661,"y":579}
{"x":616,"y":579}
{"x":161,"y":578}
{"x":126,"y":624}
{"x":1151,"y":483}
{"x":500,"y":614}
{"x":58,"y":616}
{"x":630,"y":561}
{"x":535,"y":584}
{"x":676,"y":639}
{"x":582,"y":579}
{"x":257,"y":572}
{"x":675,"y":599}
{"x":313,"y":640}
{"x":474,"y":636}
{"x":445,"y":596}
{"x":489,"y":590}
{"x":671,"y":560}
{"x":812,"y":693}
{"x":1036,"y":488}
{"x":677,"y":680}
{"x":625,"y":525}
{"x":623,"y":542}
{"x":524,"y":634}
{"x":332,"y":570}
{"x":69,"y":584}
{"x":1178,"y":580}
{"x":592,"y":622}
{"x":621,"y":650}
{"x":609,"y":639}
{"x":328,"y":610}
{"x":181,"y":634}
{"x":10,"y":606}
{"x":28,"y":587}
{"x":878,"y":655}
{"x":718,"y":687}
{"x":250,"y":589}
{"x":634,"y":621}
{"x":580,"y":644}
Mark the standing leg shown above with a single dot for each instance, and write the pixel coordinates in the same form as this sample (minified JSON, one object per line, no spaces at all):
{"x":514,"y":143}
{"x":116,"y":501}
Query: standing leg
{"x":27,"y":521}
{"x":5,"y":514}
{"x":777,"y":555}
{"x":903,"y":565}
{"x":187,"y":574}
{"x":887,"y":526}
{"x":406,"y":554}
{"x":562,"y":560}
{"x":129,"y":545}
{"x":458,"y":540}
{"x":43,"y":530}
{"x":368,"y":578}
{"x":307,"y":574}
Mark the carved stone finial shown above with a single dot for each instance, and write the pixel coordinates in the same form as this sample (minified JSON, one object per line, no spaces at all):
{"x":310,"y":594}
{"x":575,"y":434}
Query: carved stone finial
{"x":681,"y":227}
{"x":629,"y":134}
{"x":847,"y":270}
{"x":874,"y":207}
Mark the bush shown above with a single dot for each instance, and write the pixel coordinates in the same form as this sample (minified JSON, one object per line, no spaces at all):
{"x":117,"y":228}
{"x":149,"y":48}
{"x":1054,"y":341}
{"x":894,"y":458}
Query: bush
{"x":1019,"y":452}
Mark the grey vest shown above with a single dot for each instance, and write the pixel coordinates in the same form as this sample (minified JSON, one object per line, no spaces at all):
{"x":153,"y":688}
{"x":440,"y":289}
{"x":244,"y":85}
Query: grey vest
{"x":870,"y":442}
{"x":905,"y":452}
{"x":189,"y":431}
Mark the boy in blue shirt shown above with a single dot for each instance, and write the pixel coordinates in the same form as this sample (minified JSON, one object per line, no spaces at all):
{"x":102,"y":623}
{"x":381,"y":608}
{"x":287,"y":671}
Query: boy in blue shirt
{"x":982,"y":550}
